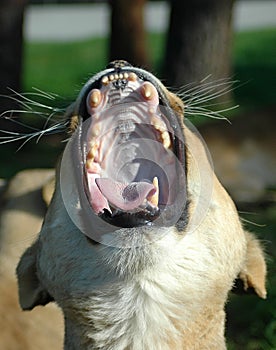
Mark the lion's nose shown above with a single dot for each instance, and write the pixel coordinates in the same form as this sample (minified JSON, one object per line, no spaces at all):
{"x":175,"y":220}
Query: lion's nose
{"x":118,"y":64}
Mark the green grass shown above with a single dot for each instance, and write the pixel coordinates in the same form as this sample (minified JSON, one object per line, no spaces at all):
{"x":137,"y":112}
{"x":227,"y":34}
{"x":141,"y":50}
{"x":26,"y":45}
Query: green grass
{"x":62,"y":68}
{"x":254,"y":63}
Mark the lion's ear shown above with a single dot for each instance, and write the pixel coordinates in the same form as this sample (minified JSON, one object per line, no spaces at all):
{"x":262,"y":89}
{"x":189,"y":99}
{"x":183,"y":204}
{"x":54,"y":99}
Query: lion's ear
{"x":31,"y":292}
{"x":253,"y":274}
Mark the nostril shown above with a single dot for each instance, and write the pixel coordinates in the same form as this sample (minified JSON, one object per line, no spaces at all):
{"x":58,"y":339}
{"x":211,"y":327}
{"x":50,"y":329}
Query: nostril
{"x":118,"y":64}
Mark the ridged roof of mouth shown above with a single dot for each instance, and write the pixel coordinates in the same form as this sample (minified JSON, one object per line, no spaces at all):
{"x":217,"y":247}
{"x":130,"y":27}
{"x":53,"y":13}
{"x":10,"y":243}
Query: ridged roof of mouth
{"x":130,"y":147}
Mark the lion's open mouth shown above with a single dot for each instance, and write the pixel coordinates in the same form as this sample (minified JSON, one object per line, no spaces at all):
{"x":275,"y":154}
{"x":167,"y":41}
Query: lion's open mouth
{"x":131,"y":167}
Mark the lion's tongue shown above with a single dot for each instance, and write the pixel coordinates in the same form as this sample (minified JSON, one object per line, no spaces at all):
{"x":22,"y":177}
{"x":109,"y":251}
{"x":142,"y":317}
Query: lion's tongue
{"x":125,"y":196}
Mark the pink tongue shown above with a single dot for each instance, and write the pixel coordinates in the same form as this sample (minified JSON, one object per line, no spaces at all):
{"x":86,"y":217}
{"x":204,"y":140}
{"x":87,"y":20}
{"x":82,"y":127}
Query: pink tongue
{"x":125,"y":196}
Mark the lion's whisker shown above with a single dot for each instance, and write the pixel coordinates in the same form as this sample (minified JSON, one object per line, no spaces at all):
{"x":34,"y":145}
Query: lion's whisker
{"x":51,"y":117}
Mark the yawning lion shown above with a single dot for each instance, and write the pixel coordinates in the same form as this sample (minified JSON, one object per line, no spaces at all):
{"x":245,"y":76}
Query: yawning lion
{"x":141,"y":243}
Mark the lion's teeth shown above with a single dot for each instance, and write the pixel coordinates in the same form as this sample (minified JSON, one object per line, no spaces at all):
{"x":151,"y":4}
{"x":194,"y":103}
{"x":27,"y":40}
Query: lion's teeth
{"x":95,"y":98}
{"x":163,"y":134}
{"x":154,"y":199}
{"x":132,"y":76}
{"x":92,"y":164}
{"x":105,"y":80}
{"x":116,"y":76}
{"x":166,"y":139}
{"x":93,"y":167}
{"x":148,"y":91}
{"x":157,"y":123}
{"x":93,"y":150}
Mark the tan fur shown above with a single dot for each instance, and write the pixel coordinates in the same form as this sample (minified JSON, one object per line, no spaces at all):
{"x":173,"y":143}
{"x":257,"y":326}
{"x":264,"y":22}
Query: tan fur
{"x":254,"y":270}
{"x":166,"y":295}
{"x":21,"y":219}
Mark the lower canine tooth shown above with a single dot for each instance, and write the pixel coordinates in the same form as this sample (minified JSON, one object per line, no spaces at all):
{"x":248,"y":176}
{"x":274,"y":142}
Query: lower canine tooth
{"x":154,"y":199}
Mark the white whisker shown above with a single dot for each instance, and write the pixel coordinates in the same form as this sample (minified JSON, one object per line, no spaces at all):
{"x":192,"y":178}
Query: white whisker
{"x":201,"y":100}
{"x":52,"y":117}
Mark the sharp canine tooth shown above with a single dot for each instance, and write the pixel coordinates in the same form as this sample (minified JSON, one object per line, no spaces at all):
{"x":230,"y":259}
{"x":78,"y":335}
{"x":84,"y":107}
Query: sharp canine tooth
{"x":155,"y":197}
{"x":147,"y":91}
{"x":95,"y":98}
{"x":132,"y":76}
{"x":105,"y":80}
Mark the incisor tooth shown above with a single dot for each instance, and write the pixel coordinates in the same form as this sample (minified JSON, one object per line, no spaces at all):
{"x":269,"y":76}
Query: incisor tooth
{"x":95,"y":98}
{"x":105,"y":80}
{"x":111,"y":77}
{"x":154,"y":199}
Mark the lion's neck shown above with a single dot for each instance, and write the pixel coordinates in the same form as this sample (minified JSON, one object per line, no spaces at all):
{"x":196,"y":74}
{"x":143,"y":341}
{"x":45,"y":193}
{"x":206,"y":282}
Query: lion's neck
{"x":146,"y":310}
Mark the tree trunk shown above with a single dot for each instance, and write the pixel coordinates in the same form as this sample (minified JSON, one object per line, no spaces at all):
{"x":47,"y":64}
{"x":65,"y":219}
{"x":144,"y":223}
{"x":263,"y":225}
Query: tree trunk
{"x":11,"y":41}
{"x":128,"y":37}
{"x":199,"y":41}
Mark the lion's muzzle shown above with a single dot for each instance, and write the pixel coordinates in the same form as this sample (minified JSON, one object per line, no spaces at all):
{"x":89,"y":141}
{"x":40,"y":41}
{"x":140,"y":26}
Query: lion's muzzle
{"x":132,"y":172}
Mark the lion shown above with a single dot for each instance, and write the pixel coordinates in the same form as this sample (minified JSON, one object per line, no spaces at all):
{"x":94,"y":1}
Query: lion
{"x":141,"y":244}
